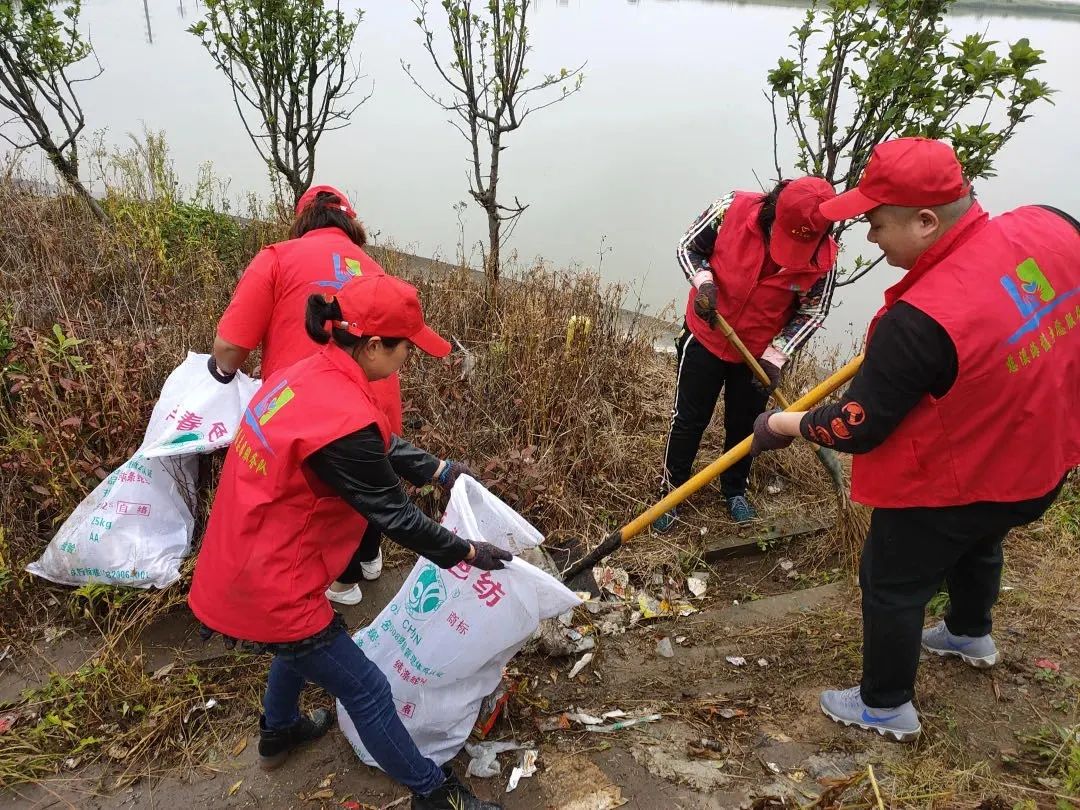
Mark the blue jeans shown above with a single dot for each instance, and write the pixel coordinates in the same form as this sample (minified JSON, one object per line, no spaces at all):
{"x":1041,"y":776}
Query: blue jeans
{"x":345,"y":672}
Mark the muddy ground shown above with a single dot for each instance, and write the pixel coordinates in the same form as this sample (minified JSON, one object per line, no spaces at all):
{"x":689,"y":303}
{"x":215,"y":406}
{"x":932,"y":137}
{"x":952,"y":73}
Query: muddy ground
{"x":730,"y":736}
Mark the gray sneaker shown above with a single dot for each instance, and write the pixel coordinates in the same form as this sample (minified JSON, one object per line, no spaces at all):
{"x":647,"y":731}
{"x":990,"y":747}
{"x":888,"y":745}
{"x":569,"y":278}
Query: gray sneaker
{"x":979,"y":651}
{"x":846,"y":706}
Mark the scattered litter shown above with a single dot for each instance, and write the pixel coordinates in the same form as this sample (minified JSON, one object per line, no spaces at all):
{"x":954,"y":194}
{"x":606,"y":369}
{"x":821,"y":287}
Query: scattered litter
{"x":787,"y":565}
{"x":793,"y":574}
{"x":557,"y":722}
{"x":633,"y":721}
{"x":761,"y":662}
{"x":493,"y":705}
{"x":729,"y":713}
{"x":161,"y":673}
{"x":52,"y":633}
{"x":651,"y":608}
{"x":71,"y":763}
{"x":772,"y":766}
{"x":7,"y":721}
{"x":241,"y":744}
{"x":613,"y":714}
{"x":235,"y":787}
{"x":1008,"y":587}
{"x":585,"y":718}
{"x":697,"y":586}
{"x":704,"y":530}
{"x":680,"y":639}
{"x":775,"y":488}
{"x":615,"y":581}
{"x":468,"y":361}
{"x":523,"y":771}
{"x":664,"y":648}
{"x":566,"y":619}
{"x":635,"y":617}
{"x":581,"y":664}
{"x":610,"y":627}
{"x":1047,"y":664}
{"x":736,"y":660}
{"x":6,"y":652}
{"x":484,"y":762}
{"x":325,"y":783}
{"x":211,"y":703}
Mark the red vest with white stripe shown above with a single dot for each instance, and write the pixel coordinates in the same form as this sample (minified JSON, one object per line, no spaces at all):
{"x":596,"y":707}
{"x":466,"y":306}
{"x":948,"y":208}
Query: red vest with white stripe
{"x":1007,"y":291}
{"x":277,"y":535}
{"x":754,"y":295}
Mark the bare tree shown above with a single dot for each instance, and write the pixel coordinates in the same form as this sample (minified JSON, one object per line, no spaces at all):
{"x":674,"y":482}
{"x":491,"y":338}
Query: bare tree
{"x":288,"y":64}
{"x":40,"y":44}
{"x":489,"y":96}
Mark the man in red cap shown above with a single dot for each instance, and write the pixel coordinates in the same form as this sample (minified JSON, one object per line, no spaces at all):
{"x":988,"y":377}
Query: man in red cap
{"x":324,"y":252}
{"x":763,"y":262}
{"x":961,"y":417}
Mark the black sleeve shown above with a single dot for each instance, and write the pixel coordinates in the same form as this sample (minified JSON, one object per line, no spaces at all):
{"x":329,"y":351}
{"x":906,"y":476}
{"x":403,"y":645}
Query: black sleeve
{"x":410,"y":462}
{"x":909,"y":356}
{"x":357,"y":468}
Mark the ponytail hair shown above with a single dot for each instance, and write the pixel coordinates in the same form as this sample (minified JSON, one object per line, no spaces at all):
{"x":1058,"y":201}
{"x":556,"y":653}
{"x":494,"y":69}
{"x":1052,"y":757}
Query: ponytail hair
{"x":325,"y":212}
{"x":767,"y":213}
{"x":320,"y":311}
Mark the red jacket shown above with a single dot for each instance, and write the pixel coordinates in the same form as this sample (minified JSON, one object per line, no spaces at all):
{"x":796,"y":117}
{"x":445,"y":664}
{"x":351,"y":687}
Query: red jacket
{"x":270,"y":301}
{"x":1007,"y":291}
{"x":277,"y":536}
{"x":754,"y":295}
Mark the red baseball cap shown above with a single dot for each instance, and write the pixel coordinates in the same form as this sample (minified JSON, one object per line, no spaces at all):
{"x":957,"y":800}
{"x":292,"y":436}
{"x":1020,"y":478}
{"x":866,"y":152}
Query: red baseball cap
{"x":308,"y":198}
{"x":384,"y":306}
{"x":909,"y":172}
{"x":798,"y":232}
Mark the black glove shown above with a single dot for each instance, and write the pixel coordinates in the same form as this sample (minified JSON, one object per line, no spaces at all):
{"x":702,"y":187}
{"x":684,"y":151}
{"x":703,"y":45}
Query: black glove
{"x":489,"y":557}
{"x":765,"y":438}
{"x":218,"y":374}
{"x":451,"y":471}
{"x":705,"y":303}
{"x":774,"y":378}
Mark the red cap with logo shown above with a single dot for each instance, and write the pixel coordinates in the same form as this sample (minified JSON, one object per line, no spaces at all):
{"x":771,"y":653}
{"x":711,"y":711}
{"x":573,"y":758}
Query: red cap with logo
{"x":387,"y":307}
{"x":799,"y":231}
{"x":908,"y":172}
{"x":309,"y":197}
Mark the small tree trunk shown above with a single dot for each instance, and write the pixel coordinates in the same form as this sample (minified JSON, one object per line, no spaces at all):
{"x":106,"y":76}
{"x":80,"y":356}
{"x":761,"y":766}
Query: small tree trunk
{"x":67,"y":170}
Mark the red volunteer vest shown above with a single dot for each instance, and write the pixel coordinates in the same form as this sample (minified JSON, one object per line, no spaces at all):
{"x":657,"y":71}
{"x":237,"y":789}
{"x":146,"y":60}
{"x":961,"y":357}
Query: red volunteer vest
{"x":754,"y":295}
{"x":320,"y":261}
{"x":1007,"y":290}
{"x":277,"y":535}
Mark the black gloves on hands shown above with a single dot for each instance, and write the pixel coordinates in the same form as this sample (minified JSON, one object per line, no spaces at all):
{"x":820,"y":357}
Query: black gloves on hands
{"x":450,"y":472}
{"x":765,"y":438}
{"x":489,"y":557}
{"x":218,"y":374}
{"x":774,"y":377}
{"x":705,"y":303}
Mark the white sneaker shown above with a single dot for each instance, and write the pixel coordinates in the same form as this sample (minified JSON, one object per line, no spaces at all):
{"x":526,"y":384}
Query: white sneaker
{"x":353,"y":596}
{"x":372,"y":570}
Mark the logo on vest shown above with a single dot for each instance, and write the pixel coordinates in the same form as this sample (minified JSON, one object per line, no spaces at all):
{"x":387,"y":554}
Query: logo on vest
{"x":427,"y":594}
{"x":342,"y":275}
{"x":265,"y":409}
{"x":1035,"y":298}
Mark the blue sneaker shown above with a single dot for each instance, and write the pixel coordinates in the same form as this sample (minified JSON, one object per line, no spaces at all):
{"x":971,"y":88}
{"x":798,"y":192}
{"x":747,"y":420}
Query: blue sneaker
{"x":664,"y":523}
{"x":740,"y":509}
{"x":846,"y":706}
{"x":979,"y":651}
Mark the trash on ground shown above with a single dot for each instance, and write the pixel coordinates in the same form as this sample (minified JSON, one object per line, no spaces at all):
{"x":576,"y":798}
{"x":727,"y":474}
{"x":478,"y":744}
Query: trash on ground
{"x":621,"y":724}
{"x":581,"y":664}
{"x":613,"y":714}
{"x":729,"y":713}
{"x":1047,"y":664}
{"x":736,"y":660}
{"x":493,"y":705}
{"x":615,"y":581}
{"x":651,"y":608}
{"x":697,"y":584}
{"x":761,"y":662}
{"x":556,"y":722}
{"x":484,"y":761}
{"x":786,"y":565}
{"x":664,"y":648}
{"x":585,"y":718}
{"x":680,"y":639}
{"x":523,"y":771}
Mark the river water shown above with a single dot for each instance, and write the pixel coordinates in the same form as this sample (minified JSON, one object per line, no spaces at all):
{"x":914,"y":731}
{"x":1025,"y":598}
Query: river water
{"x":671,"y":116}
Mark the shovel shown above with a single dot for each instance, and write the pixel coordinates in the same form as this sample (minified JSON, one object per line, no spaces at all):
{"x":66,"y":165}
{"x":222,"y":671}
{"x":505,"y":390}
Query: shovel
{"x":582,"y":569}
{"x":829,"y":460}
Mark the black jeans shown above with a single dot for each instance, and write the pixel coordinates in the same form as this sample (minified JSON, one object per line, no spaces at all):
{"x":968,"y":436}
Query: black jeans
{"x":701,"y":377}
{"x":907,"y":555}
{"x":368,"y":551}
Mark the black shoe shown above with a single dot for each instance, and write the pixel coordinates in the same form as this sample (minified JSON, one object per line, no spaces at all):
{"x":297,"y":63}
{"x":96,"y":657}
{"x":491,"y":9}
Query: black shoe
{"x":274,"y":746}
{"x":451,"y":795}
